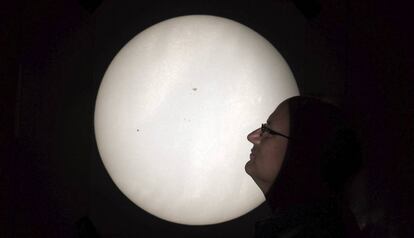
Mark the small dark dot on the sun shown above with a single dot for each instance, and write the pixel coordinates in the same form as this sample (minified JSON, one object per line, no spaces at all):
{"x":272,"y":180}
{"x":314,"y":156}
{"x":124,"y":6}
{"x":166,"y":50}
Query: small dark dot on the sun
{"x":194,"y":89}
{"x":137,"y":130}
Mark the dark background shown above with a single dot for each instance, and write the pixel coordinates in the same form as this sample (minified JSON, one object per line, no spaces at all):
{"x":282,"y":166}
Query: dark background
{"x":357,"y":54}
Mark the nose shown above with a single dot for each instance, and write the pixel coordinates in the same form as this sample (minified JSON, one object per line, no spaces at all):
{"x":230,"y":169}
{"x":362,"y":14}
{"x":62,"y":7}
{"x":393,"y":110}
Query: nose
{"x":254,"y":136}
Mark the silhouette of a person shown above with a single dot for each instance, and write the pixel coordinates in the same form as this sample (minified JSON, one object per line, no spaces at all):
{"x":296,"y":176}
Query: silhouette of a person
{"x":302,"y":159}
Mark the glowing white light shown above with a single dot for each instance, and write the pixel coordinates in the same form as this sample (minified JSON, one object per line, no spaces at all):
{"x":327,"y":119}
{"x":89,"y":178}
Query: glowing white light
{"x":173,"y":112}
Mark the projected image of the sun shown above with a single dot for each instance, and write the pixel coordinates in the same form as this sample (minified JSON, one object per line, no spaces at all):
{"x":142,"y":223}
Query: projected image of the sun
{"x":174,"y":109}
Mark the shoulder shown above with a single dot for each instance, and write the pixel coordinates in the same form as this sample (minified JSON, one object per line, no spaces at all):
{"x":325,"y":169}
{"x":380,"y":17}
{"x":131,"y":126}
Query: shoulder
{"x":300,"y":222}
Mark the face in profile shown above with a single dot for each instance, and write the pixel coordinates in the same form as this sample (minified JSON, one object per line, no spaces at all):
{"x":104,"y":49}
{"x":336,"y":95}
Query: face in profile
{"x":269,"y":148}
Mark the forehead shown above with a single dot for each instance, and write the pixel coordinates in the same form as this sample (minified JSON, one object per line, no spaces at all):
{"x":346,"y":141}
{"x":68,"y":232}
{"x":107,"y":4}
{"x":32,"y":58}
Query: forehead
{"x":281,"y":114}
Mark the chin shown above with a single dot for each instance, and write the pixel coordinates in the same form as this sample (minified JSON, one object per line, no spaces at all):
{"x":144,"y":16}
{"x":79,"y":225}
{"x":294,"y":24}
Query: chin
{"x":248,"y":168}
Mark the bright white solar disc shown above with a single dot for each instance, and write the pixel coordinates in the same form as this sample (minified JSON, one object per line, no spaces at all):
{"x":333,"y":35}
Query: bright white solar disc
{"x":173,"y":112}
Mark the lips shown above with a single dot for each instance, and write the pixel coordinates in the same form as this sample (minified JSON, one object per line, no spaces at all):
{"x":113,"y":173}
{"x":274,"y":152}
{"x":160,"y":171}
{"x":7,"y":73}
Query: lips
{"x":252,"y":154}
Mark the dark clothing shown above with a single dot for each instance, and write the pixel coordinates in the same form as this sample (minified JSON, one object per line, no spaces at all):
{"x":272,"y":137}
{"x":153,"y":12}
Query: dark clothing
{"x":317,"y":220}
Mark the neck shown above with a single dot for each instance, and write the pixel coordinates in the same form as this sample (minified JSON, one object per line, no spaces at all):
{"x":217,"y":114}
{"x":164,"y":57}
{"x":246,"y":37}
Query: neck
{"x":280,"y":197}
{"x":263,"y":185}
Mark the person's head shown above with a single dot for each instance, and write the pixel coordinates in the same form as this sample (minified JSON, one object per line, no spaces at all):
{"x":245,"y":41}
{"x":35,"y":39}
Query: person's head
{"x":269,"y":148}
{"x":316,"y":159}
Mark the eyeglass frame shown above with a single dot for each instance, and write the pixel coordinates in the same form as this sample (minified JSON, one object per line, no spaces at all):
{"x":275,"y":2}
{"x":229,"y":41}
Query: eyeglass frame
{"x":265,"y":128}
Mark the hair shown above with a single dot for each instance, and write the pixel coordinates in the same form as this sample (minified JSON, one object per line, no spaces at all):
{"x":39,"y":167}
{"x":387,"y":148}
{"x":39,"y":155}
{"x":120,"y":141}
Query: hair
{"x":322,"y":154}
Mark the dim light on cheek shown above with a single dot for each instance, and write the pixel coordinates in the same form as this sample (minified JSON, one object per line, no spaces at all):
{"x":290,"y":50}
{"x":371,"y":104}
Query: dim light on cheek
{"x":173,"y":111}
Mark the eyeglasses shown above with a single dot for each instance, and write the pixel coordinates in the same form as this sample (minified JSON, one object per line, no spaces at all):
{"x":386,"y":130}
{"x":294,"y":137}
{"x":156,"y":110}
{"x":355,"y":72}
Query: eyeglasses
{"x":265,"y":128}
